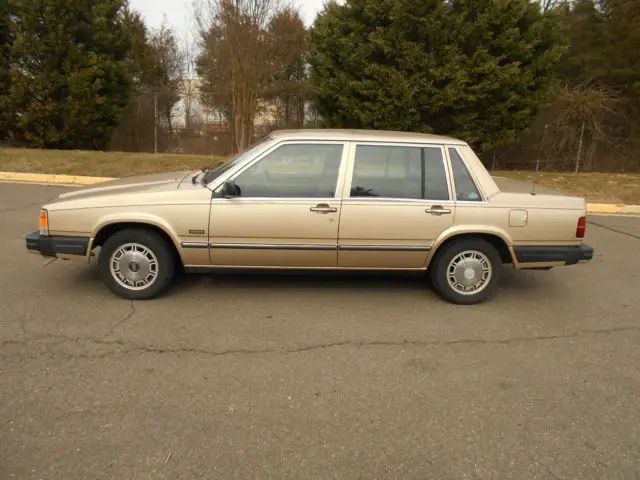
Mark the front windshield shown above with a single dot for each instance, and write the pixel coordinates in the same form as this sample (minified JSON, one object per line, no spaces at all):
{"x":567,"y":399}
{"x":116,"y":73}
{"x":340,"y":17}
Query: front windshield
{"x":215,"y":172}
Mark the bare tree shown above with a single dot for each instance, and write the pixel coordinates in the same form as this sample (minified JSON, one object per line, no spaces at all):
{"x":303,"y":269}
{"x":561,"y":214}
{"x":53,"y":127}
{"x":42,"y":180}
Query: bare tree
{"x":288,"y":54}
{"x":168,"y":74}
{"x":232,"y":65}
{"x":547,"y":5}
{"x":584,"y":110}
{"x":189,"y":87}
{"x":575,"y":127}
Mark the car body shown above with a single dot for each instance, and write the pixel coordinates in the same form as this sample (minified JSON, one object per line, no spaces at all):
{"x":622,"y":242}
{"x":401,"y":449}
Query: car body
{"x":319,"y":199}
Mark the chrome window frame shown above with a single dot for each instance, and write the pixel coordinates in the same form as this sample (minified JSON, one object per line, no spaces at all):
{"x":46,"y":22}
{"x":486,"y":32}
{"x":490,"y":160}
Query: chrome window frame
{"x":346,"y":192}
{"x":234,"y":173}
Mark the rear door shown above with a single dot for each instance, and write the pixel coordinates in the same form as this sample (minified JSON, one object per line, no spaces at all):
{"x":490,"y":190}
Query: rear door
{"x":397,"y":201}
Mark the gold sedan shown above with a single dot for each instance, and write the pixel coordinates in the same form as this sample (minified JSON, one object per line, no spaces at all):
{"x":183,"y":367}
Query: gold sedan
{"x":319,"y":199}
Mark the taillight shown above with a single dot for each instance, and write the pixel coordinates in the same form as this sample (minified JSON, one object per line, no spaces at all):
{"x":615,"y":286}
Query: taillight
{"x":582,"y":227}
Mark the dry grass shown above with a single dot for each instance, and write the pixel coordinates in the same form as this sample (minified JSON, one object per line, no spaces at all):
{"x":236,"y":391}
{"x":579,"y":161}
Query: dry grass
{"x":595,"y":187}
{"x":97,"y":164}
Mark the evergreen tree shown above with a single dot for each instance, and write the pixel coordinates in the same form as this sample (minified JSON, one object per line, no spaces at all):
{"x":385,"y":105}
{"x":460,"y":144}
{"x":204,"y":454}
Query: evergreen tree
{"x":622,"y":50}
{"x":6,"y":40}
{"x":69,"y":77}
{"x":476,"y":69}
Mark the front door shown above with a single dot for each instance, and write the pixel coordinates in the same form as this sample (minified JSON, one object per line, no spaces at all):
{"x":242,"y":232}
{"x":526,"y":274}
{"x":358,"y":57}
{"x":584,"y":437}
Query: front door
{"x":397,"y":201}
{"x":287,"y":211}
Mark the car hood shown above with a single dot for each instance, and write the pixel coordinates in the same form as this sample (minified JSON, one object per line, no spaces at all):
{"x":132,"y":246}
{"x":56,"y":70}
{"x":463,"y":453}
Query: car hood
{"x":128,"y":185}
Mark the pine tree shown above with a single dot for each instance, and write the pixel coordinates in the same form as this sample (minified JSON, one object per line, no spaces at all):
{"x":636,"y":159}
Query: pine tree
{"x":69,"y":78}
{"x":476,"y":69}
{"x":6,"y":40}
{"x":623,"y":48}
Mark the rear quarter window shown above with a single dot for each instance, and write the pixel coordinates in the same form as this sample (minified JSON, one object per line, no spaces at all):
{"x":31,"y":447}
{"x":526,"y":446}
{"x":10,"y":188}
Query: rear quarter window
{"x":466,"y":189}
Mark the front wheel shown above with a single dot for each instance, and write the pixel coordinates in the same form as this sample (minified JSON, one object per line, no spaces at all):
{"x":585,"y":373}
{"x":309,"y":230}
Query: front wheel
{"x":466,"y":272}
{"x":136,"y":264}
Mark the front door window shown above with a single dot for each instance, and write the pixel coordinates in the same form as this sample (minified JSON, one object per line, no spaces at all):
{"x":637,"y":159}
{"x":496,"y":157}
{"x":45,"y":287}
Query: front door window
{"x":293,"y":171}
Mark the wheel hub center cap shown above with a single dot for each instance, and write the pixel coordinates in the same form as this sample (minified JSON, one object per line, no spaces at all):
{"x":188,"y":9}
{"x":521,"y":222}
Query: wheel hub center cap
{"x":134,"y":267}
{"x":469,"y":273}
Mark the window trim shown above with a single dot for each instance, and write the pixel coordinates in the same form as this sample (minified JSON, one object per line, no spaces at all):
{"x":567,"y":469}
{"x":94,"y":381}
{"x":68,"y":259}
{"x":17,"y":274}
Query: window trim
{"x":474,"y":180}
{"x":275,"y":146}
{"x":346,"y":192}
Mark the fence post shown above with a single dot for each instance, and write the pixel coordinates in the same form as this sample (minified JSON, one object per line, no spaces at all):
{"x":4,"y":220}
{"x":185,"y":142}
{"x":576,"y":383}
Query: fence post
{"x":579,"y":148}
{"x":535,"y":176}
{"x":155,"y":123}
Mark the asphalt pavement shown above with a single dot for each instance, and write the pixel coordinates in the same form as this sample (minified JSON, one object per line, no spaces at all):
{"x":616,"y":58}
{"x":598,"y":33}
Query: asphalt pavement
{"x":304,"y":377}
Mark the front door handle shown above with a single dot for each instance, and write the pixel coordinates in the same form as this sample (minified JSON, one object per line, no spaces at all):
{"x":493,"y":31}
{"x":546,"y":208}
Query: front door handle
{"x":323,"y":208}
{"x":438,"y":210}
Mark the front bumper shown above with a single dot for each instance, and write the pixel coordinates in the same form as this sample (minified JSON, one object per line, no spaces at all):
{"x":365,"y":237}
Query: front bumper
{"x":569,"y":255}
{"x":52,"y":246}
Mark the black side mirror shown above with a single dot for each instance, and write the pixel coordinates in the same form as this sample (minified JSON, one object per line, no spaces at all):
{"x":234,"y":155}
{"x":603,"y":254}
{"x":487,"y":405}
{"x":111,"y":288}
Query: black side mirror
{"x":230,"y":190}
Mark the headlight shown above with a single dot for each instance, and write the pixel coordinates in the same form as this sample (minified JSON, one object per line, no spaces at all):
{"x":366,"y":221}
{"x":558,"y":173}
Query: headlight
{"x":44,"y":222}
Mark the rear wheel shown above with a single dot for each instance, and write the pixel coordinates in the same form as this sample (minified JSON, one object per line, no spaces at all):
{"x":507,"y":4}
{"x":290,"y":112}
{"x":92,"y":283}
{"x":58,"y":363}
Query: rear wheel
{"x":137,"y":264}
{"x":466,"y":271}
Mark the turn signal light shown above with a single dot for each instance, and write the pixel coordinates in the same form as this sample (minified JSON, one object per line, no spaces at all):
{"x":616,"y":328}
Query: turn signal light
{"x":582,"y":227}
{"x":44,"y":222}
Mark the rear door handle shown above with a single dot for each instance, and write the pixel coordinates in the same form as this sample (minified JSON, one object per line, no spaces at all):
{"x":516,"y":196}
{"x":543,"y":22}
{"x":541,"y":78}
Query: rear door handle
{"x":323,"y":208}
{"x":438,"y":210}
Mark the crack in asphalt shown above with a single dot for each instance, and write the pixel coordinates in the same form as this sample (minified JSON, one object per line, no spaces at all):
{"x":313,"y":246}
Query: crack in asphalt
{"x":65,"y":338}
{"x":126,"y":318}
{"x":133,"y":348}
{"x":615,"y":230}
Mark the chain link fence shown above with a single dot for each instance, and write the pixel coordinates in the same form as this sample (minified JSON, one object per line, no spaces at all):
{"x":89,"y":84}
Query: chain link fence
{"x":569,"y":148}
{"x":164,"y":123}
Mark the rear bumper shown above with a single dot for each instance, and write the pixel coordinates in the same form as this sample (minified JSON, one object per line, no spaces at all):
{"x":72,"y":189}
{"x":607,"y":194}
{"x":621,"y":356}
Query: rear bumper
{"x":52,"y":246}
{"x":569,"y":255}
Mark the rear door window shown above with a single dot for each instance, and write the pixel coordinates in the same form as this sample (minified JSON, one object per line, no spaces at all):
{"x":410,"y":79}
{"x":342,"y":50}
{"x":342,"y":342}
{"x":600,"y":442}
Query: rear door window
{"x":386,"y":171}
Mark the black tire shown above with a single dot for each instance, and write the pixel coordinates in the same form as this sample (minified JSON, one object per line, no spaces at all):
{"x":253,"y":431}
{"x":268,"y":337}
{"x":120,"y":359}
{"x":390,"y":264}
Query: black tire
{"x":440,"y":264}
{"x":157,"y":245}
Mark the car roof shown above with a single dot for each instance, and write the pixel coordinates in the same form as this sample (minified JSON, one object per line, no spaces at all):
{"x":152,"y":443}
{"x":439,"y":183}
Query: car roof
{"x":363,"y":136}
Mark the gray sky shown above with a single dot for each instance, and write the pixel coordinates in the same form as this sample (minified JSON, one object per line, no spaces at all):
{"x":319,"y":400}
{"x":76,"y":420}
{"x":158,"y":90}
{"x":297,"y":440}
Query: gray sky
{"x":179,"y":12}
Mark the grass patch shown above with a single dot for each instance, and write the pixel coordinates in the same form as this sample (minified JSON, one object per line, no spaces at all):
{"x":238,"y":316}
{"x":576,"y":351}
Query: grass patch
{"x":595,"y":187}
{"x":98,"y":164}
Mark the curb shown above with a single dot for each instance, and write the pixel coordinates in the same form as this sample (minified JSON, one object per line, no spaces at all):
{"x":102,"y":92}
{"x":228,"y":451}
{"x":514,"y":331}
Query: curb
{"x":611,"y":209}
{"x":51,"y":179}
